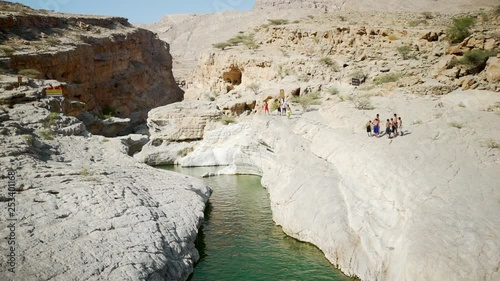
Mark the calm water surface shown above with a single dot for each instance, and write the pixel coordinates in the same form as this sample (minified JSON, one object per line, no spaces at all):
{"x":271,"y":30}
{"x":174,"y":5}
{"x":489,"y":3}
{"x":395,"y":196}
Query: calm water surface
{"x":239,"y":240}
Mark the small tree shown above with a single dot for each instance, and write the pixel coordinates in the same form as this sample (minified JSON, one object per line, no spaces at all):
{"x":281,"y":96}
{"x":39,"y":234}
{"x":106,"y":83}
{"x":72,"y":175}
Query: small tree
{"x":254,"y":87}
{"x":460,"y":29}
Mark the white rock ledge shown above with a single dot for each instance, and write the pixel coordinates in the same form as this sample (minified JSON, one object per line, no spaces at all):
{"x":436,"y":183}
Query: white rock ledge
{"x":87,"y":211}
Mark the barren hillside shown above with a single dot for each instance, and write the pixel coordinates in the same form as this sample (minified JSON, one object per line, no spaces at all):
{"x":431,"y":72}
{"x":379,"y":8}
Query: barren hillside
{"x":191,"y":35}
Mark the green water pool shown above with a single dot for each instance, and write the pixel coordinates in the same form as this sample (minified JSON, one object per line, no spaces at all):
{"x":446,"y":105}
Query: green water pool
{"x":239,"y":240}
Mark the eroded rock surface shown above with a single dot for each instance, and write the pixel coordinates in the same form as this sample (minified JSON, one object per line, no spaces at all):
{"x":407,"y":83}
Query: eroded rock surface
{"x":85,"y":210}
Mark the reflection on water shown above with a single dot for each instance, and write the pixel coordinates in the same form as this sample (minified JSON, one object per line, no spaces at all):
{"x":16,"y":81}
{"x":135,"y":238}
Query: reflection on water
{"x":239,"y":240}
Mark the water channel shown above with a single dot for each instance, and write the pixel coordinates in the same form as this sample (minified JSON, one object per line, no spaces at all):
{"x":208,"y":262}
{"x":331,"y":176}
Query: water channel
{"x":239,"y":240}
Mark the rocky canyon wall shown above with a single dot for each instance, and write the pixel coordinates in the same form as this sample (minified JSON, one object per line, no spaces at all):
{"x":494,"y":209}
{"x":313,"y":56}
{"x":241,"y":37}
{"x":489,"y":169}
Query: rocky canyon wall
{"x":106,"y":63}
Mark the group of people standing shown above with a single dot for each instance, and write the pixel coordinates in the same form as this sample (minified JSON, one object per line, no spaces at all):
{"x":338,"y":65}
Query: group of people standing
{"x":283,"y":108}
{"x":393,"y":127}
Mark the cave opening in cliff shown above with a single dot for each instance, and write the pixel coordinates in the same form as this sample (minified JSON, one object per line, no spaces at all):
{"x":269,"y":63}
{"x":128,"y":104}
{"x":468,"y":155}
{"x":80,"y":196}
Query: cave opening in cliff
{"x":233,"y":76}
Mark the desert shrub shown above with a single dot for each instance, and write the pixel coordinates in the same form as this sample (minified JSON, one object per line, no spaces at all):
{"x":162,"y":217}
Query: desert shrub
{"x":284,"y":71}
{"x":342,"y":18}
{"x":277,"y":21}
{"x":405,"y":51}
{"x":221,"y":45}
{"x":457,"y":125}
{"x":308,"y":99}
{"x":310,"y":16}
{"x":84,"y":172}
{"x":246,"y":40}
{"x":53,"y":41}
{"x":29,"y":139}
{"x":475,"y":59}
{"x":333,"y":91}
{"x":428,"y":15}
{"x":460,"y":29}
{"x":387,"y":78}
{"x":497,"y":10}
{"x":330,"y":63}
{"x":8,"y":50}
{"x":46,"y":134}
{"x":363,"y":103}
{"x":296,"y":21}
{"x":461,"y":104}
{"x":227,"y":120}
{"x":31,"y":73}
{"x":491,"y":143}
{"x":254,"y":87}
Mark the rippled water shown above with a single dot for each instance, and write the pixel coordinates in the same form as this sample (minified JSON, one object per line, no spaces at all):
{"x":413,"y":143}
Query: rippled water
{"x":239,"y":240}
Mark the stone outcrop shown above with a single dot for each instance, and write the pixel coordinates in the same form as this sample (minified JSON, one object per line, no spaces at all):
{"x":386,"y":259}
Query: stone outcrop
{"x":109,"y":65}
{"x":86,"y":210}
{"x":406,"y":218}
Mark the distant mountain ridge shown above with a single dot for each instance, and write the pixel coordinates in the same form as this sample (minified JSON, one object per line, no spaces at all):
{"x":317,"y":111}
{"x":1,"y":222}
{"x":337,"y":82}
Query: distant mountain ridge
{"x":379,"y":5}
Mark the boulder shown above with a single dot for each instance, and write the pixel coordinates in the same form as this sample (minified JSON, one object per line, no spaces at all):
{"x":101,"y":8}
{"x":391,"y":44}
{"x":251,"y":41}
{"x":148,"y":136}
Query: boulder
{"x":492,"y":69}
{"x":182,"y":121}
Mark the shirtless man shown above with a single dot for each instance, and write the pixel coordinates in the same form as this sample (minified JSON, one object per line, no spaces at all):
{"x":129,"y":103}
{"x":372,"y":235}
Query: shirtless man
{"x":395,"y":124}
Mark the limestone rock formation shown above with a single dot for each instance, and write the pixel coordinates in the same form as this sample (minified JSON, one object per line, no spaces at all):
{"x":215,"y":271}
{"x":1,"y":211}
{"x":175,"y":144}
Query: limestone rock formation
{"x":181,"y":121}
{"x":108,"y":65}
{"x":402,"y":219}
{"x":86,"y":210}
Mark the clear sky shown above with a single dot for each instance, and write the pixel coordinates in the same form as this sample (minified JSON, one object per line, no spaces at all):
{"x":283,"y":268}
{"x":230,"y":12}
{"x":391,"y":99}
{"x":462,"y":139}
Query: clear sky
{"x":144,"y":11}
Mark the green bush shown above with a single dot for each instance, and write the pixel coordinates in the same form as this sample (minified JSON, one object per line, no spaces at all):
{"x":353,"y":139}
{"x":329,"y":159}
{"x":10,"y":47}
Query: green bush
{"x":333,"y":90}
{"x":460,"y":29}
{"x":475,"y":60}
{"x":29,"y":139}
{"x":222,"y":45}
{"x":246,"y":40}
{"x":405,"y":51}
{"x":47,"y":134}
{"x":497,"y":10}
{"x":278,"y":22}
{"x":329,"y":62}
{"x":308,"y":99}
{"x":387,"y":78}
